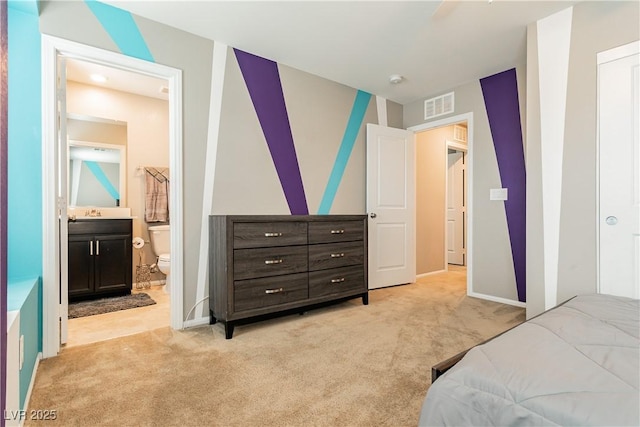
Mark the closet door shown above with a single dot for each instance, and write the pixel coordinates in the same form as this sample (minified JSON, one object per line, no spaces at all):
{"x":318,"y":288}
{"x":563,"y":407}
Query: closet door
{"x":619,"y":171}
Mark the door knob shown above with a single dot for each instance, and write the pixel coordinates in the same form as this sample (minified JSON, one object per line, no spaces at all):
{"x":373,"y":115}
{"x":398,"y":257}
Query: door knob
{"x":373,"y":215}
{"x":611,"y":220}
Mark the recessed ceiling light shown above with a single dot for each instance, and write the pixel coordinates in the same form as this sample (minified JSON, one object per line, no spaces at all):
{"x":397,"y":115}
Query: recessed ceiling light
{"x":98,"y":78}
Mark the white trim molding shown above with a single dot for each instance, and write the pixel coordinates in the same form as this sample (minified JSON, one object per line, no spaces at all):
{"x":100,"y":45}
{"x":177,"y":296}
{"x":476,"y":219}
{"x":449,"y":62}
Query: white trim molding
{"x":498,"y":299}
{"x":448,"y":121}
{"x":52,"y":47}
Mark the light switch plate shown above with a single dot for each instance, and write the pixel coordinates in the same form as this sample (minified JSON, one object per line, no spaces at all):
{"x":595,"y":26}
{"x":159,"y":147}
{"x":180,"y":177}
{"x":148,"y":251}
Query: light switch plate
{"x":498,"y":194}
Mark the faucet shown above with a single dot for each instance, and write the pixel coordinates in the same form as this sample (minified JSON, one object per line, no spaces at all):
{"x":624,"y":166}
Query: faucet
{"x":93,"y":212}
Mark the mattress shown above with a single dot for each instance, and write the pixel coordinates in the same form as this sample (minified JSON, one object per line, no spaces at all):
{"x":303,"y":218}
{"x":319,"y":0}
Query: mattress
{"x":575,"y":365}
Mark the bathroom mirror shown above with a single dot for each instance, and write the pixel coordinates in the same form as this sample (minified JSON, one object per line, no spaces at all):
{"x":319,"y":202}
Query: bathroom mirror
{"x":97,"y":174}
{"x":97,"y":171}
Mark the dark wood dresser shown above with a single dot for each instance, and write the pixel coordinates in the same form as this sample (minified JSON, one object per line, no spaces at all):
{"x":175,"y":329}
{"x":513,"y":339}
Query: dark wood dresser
{"x":279,"y":264}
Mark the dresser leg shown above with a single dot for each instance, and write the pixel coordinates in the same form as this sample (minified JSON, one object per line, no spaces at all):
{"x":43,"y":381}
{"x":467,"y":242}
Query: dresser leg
{"x":228,"y":330}
{"x":365,"y":299}
{"x":212,"y":319}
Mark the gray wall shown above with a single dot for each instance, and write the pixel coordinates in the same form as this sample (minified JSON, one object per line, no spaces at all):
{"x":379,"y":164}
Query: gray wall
{"x":492,"y":265}
{"x":246,"y":181}
{"x":245,"y":178}
{"x":595,"y":27}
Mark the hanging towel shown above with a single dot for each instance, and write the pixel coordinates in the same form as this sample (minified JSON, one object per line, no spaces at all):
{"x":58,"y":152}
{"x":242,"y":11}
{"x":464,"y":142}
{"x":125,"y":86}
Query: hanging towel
{"x":156,"y":206}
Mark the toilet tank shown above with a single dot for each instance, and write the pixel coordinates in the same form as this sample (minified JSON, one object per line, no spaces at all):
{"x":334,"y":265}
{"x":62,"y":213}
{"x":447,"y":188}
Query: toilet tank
{"x":160,"y":236}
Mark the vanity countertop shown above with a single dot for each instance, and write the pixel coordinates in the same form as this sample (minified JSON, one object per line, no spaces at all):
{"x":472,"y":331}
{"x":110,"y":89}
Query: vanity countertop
{"x":91,"y":218}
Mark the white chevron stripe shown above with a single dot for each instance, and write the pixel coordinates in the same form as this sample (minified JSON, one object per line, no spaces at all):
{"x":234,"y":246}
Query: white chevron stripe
{"x":381,"y":104}
{"x":554,"y":39}
{"x":215,"y":107}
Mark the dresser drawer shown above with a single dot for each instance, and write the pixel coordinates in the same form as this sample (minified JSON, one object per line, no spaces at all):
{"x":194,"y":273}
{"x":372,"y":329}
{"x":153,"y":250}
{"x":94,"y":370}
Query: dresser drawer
{"x":269,"y":291}
{"x":332,"y":255}
{"x":264,"y":262}
{"x":335,"y":231}
{"x":267,"y":234}
{"x":336,"y":281}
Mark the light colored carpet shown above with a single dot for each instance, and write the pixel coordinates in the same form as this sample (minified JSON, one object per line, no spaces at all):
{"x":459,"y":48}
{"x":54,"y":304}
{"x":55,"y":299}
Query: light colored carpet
{"x":345,"y":365}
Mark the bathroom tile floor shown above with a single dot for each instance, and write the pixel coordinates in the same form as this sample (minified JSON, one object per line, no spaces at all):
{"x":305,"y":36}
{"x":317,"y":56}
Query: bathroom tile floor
{"x":85,"y":330}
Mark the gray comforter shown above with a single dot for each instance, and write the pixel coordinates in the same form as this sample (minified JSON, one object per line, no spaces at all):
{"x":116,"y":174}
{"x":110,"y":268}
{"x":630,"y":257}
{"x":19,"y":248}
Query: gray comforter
{"x":575,"y":365}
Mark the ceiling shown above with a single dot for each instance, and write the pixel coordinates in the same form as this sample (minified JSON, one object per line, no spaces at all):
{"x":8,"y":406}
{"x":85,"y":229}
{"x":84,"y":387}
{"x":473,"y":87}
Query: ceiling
{"x":116,"y":79}
{"x":434,"y":45}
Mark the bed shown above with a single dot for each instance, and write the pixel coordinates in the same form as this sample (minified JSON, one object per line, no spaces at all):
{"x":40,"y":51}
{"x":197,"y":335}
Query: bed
{"x":575,"y":365}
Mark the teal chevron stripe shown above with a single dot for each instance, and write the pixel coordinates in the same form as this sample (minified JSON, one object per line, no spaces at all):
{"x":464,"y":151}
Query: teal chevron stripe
{"x":102,"y":178}
{"x":358,"y":110}
{"x":122,"y":29}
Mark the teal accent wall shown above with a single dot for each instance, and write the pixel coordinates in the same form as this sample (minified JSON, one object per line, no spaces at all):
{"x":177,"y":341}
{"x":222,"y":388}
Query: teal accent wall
{"x":25,"y":140}
{"x":24,"y":204}
{"x":122,"y":29}
{"x":24,"y":295}
{"x":354,"y":125}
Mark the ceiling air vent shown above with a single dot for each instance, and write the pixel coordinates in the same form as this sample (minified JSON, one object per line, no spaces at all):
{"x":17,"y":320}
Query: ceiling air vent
{"x":460,"y":133}
{"x":438,"y":106}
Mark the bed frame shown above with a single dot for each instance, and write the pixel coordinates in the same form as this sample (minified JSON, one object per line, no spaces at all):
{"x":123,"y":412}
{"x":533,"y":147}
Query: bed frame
{"x":440,"y":368}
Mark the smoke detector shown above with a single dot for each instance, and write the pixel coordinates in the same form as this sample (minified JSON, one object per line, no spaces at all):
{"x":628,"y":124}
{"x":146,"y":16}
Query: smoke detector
{"x":395,"y":79}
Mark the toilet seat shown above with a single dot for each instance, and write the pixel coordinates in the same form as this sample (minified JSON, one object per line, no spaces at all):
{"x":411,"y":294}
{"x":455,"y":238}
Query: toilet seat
{"x":164,"y":258}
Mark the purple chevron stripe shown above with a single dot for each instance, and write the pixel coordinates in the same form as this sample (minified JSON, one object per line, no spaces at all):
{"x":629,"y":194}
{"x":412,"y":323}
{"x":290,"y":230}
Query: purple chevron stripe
{"x":500,"y":93}
{"x":263,"y":82}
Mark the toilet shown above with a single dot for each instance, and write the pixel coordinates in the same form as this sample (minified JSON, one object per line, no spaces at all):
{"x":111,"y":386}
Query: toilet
{"x":160,"y":236}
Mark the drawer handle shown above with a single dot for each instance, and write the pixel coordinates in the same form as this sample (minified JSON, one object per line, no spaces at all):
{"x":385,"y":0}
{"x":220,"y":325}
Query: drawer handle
{"x":274,"y":291}
{"x":273,"y":261}
{"x":337,"y":231}
{"x":340,"y":280}
{"x":340,"y":255}
{"x":272,"y":234}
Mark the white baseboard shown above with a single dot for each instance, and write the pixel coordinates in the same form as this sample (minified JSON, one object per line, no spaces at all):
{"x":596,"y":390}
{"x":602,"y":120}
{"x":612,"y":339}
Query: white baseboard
{"x":196,"y":322}
{"x":431,"y":273}
{"x":497,"y":299}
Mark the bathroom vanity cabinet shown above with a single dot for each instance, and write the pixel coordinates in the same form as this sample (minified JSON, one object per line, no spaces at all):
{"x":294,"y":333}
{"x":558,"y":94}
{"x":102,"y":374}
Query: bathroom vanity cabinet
{"x":100,"y":261}
{"x":261,"y":266}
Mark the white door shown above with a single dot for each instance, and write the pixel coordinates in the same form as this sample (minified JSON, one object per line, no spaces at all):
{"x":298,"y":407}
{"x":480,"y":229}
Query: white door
{"x":61,"y":180}
{"x":619,"y":160}
{"x":455,"y":208}
{"x":391,"y":206}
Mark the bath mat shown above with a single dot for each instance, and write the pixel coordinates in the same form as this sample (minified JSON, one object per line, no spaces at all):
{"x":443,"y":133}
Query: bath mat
{"x":108,"y":305}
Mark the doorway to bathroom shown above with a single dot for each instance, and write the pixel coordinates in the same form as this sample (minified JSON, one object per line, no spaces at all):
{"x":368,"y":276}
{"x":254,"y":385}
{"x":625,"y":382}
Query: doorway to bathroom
{"x":109,"y":111}
{"x":66,"y":64}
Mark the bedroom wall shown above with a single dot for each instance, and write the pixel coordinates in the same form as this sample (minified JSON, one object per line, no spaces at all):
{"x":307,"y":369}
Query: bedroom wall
{"x":24,"y":201}
{"x":494,"y":261}
{"x":561,"y":149}
{"x":228,"y":165}
{"x":247,"y":181}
